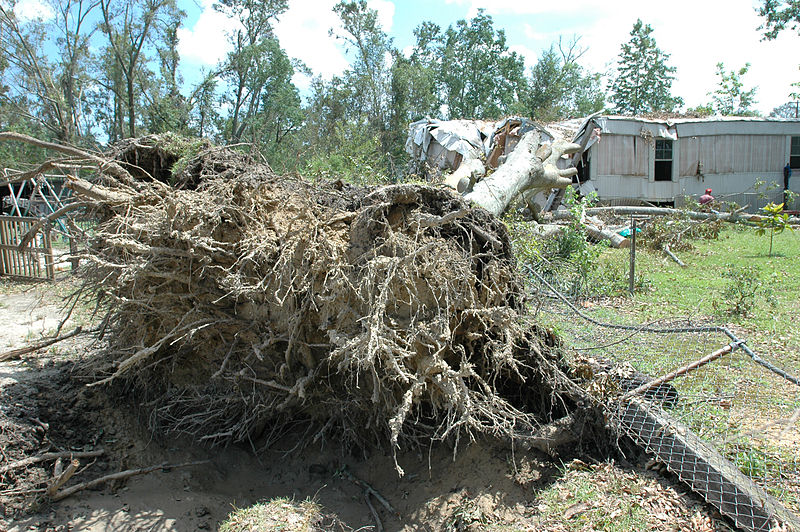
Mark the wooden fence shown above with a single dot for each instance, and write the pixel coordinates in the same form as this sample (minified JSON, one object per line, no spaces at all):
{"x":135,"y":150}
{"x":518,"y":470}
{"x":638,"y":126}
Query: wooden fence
{"x":35,"y":261}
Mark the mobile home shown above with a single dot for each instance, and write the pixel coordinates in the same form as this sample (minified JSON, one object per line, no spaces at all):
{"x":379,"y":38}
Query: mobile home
{"x":627,"y":159}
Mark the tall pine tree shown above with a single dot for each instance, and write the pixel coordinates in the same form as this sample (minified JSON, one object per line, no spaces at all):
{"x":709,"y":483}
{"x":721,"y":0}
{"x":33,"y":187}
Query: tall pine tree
{"x":643,"y":79}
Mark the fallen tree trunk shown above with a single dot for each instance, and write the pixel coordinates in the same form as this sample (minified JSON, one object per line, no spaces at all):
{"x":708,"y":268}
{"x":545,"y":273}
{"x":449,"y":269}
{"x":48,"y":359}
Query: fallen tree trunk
{"x":666,"y":211}
{"x":530,"y":166}
{"x":464,"y":177}
{"x":616,"y":241}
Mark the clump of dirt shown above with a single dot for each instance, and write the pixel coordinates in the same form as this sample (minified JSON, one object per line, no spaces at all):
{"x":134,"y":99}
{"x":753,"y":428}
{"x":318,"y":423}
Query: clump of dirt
{"x":380,"y":316}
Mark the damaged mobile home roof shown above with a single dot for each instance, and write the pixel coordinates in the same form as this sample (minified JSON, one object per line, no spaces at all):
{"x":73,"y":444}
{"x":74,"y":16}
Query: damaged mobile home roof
{"x":673,"y":128}
{"x":470,"y":138}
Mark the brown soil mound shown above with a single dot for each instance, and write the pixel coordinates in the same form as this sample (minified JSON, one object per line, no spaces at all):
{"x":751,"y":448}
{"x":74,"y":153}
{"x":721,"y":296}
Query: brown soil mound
{"x":254,"y":302}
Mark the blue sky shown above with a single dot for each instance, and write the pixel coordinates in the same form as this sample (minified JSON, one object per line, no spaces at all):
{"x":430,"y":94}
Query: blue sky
{"x":697,"y":34}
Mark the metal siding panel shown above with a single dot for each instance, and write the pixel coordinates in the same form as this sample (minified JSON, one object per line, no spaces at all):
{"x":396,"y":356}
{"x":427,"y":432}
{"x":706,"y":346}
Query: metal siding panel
{"x":742,"y":159}
{"x":642,"y":159}
{"x":689,"y":149}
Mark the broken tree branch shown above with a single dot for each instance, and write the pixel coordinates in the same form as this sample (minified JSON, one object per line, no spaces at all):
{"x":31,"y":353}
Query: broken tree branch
{"x":16,"y":353}
{"x":62,"y":478}
{"x":122,"y":475}
{"x":49,"y":456}
{"x":464,"y":177}
{"x":616,"y":241}
{"x":41,"y":222}
{"x":673,"y":256}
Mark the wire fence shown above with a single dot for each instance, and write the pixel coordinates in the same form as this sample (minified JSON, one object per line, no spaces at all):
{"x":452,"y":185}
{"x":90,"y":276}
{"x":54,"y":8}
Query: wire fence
{"x":724,"y":419}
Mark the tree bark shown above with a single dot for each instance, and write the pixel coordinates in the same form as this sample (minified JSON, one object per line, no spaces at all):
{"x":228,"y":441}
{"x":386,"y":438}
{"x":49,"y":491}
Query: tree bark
{"x":665,"y":211}
{"x":464,"y":177}
{"x":529,"y":166}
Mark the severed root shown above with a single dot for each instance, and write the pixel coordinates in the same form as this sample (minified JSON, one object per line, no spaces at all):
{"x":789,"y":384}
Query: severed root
{"x":48,"y":456}
{"x":119,"y":476}
{"x":369,"y":490}
{"x":16,"y":353}
{"x":548,"y":438}
{"x":61,"y":478}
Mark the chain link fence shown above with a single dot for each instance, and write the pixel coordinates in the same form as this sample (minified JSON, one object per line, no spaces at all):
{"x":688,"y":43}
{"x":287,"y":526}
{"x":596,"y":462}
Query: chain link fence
{"x":723,"y":418}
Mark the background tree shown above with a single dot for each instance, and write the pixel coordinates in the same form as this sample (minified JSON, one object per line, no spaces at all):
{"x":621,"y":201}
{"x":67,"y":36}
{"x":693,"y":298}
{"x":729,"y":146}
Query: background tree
{"x":412,"y":96}
{"x":643,"y":81}
{"x":348,"y":117}
{"x":478,"y":76}
{"x":786,"y":110}
{"x":129,"y":26}
{"x":255,"y":70}
{"x":46,"y":76}
{"x":560,"y":87}
{"x":779,"y":15}
{"x":730,"y":98}
{"x":166,"y":109}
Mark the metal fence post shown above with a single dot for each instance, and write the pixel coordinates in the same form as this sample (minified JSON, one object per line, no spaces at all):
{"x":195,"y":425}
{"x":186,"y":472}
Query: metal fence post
{"x":632,"y":268}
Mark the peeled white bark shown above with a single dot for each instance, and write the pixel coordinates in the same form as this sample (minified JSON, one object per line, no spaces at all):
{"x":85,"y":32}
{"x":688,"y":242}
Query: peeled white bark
{"x":465,"y":175}
{"x":529,"y":166}
{"x":616,"y":240}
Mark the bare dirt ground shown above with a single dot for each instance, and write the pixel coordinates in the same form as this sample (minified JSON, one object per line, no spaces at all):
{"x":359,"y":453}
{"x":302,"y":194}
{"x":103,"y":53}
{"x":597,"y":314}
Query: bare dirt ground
{"x":46,"y":407}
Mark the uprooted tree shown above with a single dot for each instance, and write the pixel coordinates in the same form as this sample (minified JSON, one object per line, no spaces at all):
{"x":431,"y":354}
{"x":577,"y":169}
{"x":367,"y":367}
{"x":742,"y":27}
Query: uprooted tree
{"x":240,"y":305}
{"x":240,"y":302}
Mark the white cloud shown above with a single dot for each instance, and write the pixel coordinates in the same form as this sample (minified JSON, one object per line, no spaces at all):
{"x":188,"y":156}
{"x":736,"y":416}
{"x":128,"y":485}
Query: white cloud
{"x":697,"y":35}
{"x":385,"y":10}
{"x":32,"y":10}
{"x":303,"y":33}
{"x":206,"y":43}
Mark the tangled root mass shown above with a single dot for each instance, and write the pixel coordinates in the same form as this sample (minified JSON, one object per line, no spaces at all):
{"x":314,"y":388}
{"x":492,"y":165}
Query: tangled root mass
{"x":250,"y":302}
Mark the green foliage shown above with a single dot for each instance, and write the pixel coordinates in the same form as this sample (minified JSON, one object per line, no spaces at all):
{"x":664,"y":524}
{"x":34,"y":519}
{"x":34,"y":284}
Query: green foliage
{"x":742,"y":292}
{"x":476,"y":74}
{"x":730,"y":98}
{"x":186,"y":148}
{"x":571,"y":248}
{"x":779,"y":15}
{"x":774,"y":221}
{"x":611,"y":278}
{"x":643,"y":80}
{"x":678,"y":232}
{"x":787,"y":110}
{"x":560,"y":87}
{"x":352,"y":161}
{"x":527,"y":244}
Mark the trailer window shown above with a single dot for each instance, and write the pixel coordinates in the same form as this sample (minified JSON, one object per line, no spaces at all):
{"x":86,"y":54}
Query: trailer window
{"x":794,"y":155}
{"x":663,"y":160}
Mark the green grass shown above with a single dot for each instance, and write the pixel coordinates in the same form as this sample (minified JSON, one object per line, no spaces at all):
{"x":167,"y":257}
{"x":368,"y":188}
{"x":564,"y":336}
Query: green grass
{"x":698,"y":289}
{"x":277,"y":514}
{"x":594,"y":500}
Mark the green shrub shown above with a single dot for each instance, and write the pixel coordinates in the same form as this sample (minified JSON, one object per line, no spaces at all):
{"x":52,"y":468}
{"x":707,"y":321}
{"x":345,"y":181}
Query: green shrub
{"x":742,"y":292}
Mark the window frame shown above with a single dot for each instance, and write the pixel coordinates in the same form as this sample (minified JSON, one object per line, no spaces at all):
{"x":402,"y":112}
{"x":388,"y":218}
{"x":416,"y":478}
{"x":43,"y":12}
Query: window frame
{"x":794,"y":153}
{"x":663,"y":165}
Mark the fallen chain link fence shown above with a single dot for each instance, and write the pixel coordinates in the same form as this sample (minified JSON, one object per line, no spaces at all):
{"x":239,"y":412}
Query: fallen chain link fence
{"x":723,"y":418}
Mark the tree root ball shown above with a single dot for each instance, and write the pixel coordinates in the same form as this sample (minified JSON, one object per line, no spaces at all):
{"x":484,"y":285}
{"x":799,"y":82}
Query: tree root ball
{"x":384,"y":316}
